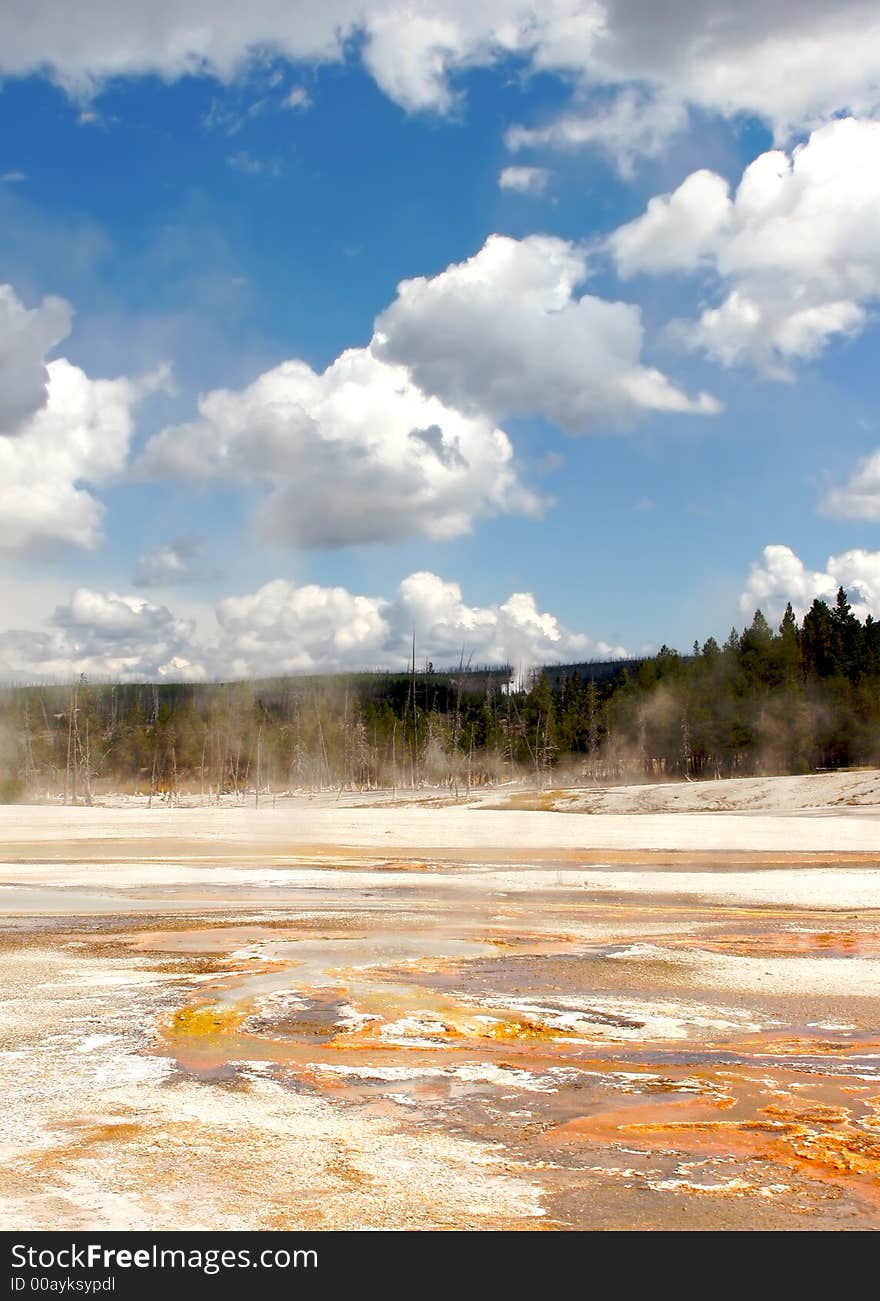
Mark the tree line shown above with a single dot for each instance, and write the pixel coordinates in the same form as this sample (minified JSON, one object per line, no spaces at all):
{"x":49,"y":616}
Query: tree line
{"x":794,"y":699}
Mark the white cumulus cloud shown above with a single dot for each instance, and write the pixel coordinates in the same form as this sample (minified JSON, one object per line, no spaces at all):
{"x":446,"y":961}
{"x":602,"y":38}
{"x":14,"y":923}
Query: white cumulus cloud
{"x":796,"y":250}
{"x":514,"y":632}
{"x":285,"y":628}
{"x":793,"y":63}
{"x":355,"y":454}
{"x":67,"y":434}
{"x":402,"y":438}
{"x":629,"y":126}
{"x":183,"y":560}
{"x":859,"y":497}
{"x":103,"y":635}
{"x":26,"y":336}
{"x":677,"y":231}
{"x":506,"y":333}
{"x":62,"y":433}
{"x":282,"y":628}
{"x":524,"y":180}
{"x":298,"y":99}
{"x":781,"y":576}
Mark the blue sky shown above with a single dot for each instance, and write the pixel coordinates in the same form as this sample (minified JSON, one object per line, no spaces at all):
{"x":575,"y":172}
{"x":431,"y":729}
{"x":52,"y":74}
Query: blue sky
{"x":225,"y":222}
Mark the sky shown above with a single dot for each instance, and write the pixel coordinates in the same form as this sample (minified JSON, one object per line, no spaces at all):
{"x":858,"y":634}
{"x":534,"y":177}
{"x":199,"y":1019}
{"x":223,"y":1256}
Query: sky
{"x":544,"y":332}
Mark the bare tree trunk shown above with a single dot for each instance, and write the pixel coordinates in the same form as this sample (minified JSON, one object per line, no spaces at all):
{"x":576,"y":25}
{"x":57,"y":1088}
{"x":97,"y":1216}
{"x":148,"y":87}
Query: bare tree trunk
{"x":235,"y":769}
{"x":50,"y":735}
{"x":259,"y":767}
{"x":347,"y":763}
{"x":75,"y":724}
{"x":67,"y":771}
{"x":415,"y":750}
{"x":86,"y":762}
{"x":509,"y":740}
{"x":325,"y":762}
{"x":686,"y":752}
{"x":153,"y":773}
{"x":394,"y":758}
{"x":221,"y":775}
{"x":29,"y":765}
{"x":456,"y":724}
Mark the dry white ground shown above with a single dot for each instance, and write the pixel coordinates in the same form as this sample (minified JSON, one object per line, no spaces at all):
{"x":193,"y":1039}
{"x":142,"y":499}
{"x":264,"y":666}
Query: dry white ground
{"x":831,"y":791}
{"x":100,"y":1129}
{"x":831,"y":813}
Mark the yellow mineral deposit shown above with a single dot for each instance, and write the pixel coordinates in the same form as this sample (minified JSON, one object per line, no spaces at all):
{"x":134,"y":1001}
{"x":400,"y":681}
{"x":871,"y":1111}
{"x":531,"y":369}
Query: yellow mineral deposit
{"x":536,"y":1019}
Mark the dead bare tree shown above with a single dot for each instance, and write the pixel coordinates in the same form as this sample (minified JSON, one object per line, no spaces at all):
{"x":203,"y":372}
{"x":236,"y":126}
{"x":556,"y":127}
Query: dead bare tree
{"x":415,"y":711}
{"x":70,"y":769}
{"x":325,"y":762}
{"x":394,"y":757}
{"x":85,"y":759}
{"x":153,"y":772}
{"x":259,"y":766}
{"x":30,"y":767}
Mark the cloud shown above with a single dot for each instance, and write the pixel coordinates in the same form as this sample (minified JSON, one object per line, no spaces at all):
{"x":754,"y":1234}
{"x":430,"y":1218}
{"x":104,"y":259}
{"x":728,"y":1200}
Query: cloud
{"x":415,"y":52}
{"x":81,"y":436}
{"x":402,"y":439}
{"x":283,"y":628}
{"x":781,"y":576}
{"x":26,"y":336}
{"x":513,"y":632}
{"x":524,"y":180}
{"x":105,"y":636}
{"x":297,"y":98}
{"x":678,"y":231}
{"x":793,"y":63}
{"x":63,"y":432}
{"x":182,"y":560}
{"x":630,"y":125}
{"x":355,"y":454}
{"x":410,"y":54}
{"x":13,"y":178}
{"x":249,"y":165}
{"x":446,"y":453}
{"x":796,"y":250}
{"x":505,"y":333}
{"x":859,"y":498}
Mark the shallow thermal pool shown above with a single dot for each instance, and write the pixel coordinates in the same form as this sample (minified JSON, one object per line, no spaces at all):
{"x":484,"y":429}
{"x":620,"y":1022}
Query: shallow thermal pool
{"x":439,"y":1044}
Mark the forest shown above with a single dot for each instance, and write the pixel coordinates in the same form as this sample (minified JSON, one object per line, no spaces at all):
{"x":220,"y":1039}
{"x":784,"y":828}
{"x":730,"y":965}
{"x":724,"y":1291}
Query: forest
{"x":789,"y":700}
